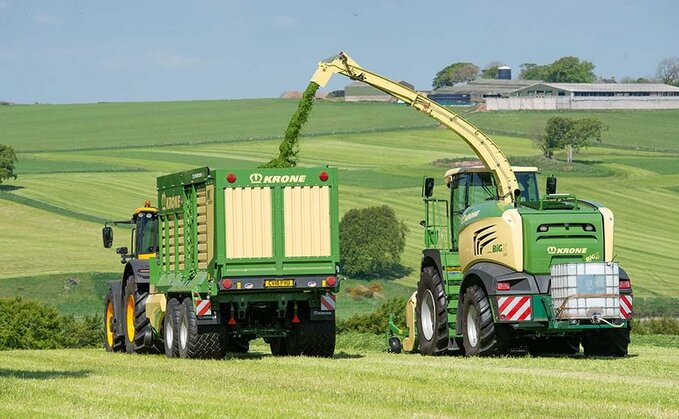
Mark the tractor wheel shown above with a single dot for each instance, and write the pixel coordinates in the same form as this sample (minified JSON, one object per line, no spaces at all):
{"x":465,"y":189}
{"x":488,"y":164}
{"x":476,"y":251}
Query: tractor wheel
{"x":431,"y":313}
{"x":480,"y":336}
{"x":556,"y":345}
{"x":278,"y":347}
{"x":607,"y":342}
{"x":113,"y":342}
{"x":192,"y":342}
{"x":170,"y":329}
{"x":138,"y":333}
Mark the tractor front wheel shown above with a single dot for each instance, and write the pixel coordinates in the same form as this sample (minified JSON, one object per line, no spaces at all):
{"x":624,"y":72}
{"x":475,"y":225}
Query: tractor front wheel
{"x":113,"y":342}
{"x":432,"y":313}
{"x":479,"y":334}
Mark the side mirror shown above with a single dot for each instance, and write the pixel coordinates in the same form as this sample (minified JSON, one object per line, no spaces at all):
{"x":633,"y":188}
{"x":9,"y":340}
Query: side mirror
{"x":107,"y":236}
{"x":551,"y":185}
{"x":121,"y":251}
{"x":428,"y":187}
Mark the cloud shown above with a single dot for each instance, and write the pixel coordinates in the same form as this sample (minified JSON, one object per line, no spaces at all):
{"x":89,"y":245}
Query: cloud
{"x":170,"y":59}
{"x":45,"y":19}
{"x":284,"y":21}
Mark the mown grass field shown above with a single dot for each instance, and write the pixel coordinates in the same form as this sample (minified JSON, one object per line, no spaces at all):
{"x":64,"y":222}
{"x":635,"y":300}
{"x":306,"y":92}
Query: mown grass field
{"x":358,"y":382}
{"x":81,"y":164}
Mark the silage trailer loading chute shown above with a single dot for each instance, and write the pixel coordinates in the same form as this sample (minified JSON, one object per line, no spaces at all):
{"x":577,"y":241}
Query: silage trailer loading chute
{"x":228,"y":256}
{"x":504,"y":267}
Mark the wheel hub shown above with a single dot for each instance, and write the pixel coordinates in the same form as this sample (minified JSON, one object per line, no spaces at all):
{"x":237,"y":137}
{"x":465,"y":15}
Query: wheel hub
{"x":428,"y":314}
{"x":472,"y":326}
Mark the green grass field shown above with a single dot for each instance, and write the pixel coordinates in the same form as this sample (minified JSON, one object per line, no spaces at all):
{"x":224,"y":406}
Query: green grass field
{"x":80,"y":164}
{"x":358,"y":382}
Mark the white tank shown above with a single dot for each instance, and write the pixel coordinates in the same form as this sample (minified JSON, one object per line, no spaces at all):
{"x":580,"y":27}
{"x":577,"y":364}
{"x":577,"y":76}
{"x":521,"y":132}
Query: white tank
{"x":586,"y":290}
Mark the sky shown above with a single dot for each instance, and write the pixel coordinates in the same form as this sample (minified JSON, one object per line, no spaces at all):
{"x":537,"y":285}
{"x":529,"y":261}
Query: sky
{"x":71,"y":51}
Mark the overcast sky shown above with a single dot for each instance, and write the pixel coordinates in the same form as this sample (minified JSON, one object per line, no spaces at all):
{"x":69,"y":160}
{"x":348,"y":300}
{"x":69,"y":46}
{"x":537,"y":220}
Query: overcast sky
{"x":89,"y":51}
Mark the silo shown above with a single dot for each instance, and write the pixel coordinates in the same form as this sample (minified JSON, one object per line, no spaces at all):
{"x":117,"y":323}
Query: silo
{"x":504,"y":73}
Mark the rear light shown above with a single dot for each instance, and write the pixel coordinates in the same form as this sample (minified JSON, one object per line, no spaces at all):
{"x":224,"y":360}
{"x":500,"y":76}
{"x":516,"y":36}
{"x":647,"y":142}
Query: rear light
{"x":323,"y":176}
{"x":625,"y":284}
{"x":543,"y":228}
{"x":230,"y":178}
{"x":503,"y":286}
{"x":331,"y":281}
{"x":227,"y":283}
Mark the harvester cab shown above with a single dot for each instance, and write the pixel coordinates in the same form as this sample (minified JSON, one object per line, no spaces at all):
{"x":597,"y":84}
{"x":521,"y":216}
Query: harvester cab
{"x":143,"y":235}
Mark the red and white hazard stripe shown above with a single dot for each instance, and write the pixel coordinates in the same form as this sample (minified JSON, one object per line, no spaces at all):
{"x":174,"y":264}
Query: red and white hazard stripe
{"x":514,"y":308}
{"x":328,"y":302}
{"x":203,"y":308}
{"x":625,"y":306}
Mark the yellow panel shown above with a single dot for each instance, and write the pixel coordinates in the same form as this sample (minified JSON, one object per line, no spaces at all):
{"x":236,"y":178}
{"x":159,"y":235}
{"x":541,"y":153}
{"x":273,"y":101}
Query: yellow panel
{"x":208,"y":228}
{"x":249,"y":232}
{"x":506,"y":248}
{"x":307,"y":221}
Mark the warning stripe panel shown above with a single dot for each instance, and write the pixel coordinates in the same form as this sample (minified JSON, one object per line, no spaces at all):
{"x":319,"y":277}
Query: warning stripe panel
{"x":625,"y":306}
{"x":203,"y":308}
{"x":514,"y":308}
{"x":328,"y":302}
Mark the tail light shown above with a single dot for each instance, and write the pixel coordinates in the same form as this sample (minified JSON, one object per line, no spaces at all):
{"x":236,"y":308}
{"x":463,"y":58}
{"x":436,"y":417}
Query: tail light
{"x":625,"y":284}
{"x":323,"y":176}
{"x":231,"y":178}
{"x":227,"y":283}
{"x":331,"y":281}
{"x":503,"y":286}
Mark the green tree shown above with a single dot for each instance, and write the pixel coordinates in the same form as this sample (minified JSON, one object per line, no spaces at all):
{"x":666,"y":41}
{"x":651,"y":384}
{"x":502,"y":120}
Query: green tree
{"x":7,"y":159}
{"x":570,"y":134}
{"x":455,"y":73}
{"x":371,"y":241}
{"x":563,"y":70}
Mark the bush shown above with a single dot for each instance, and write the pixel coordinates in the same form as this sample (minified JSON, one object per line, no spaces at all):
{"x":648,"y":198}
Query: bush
{"x":659,"y":326}
{"x":371,"y":241}
{"x":26,"y":324}
{"x":376,"y":322}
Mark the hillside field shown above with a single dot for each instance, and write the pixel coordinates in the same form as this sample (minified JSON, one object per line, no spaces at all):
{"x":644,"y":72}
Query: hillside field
{"x":83,"y":164}
{"x":358,"y":382}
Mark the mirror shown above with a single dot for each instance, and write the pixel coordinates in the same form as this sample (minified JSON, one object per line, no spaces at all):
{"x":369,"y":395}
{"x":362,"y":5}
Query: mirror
{"x":551,"y":185}
{"x":428,"y":187}
{"x":107,"y":236}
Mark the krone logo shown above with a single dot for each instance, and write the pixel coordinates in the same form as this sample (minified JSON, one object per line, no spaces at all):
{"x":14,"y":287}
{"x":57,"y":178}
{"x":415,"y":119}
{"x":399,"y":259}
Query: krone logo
{"x":256,"y":178}
{"x":553,"y":250}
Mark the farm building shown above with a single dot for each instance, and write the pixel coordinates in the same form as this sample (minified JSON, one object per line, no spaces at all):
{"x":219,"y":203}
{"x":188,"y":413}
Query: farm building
{"x":361,"y":92}
{"x":478,"y":90}
{"x":551,"y":96}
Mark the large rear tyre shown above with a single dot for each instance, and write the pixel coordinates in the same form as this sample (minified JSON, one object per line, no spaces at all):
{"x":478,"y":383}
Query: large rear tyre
{"x":479,"y":334}
{"x":432,"y":313}
{"x":192,"y":342}
{"x":278,"y":347}
{"x":138,"y":333}
{"x":113,"y":342}
{"x":170,"y":329}
{"x":607,"y":342}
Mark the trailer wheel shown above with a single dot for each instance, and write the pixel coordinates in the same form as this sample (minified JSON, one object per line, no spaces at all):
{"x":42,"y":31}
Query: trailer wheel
{"x":607,"y":342}
{"x":278,"y":347}
{"x":394,"y":345}
{"x":113,"y":342}
{"x":479,"y":334}
{"x":136,"y":324}
{"x":311,"y":338}
{"x":170,"y":329}
{"x":192,"y":342}
{"x":432,"y":313}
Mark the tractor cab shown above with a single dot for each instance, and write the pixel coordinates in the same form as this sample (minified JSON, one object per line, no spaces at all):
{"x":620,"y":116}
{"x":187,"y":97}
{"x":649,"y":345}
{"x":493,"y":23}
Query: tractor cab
{"x":473,"y":185}
{"x":143,"y":237}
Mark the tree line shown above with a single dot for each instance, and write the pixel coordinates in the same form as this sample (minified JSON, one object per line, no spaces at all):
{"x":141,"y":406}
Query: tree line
{"x":567,"y":69}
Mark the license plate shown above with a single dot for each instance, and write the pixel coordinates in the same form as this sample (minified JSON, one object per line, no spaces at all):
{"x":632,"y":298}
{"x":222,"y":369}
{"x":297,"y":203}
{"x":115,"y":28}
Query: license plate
{"x":279,"y":283}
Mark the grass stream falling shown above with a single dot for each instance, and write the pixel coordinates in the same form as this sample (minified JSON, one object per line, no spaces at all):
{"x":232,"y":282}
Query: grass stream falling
{"x":287,"y":156}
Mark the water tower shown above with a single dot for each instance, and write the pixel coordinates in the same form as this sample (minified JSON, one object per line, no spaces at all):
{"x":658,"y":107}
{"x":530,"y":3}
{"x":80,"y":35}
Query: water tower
{"x":504,"y":73}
